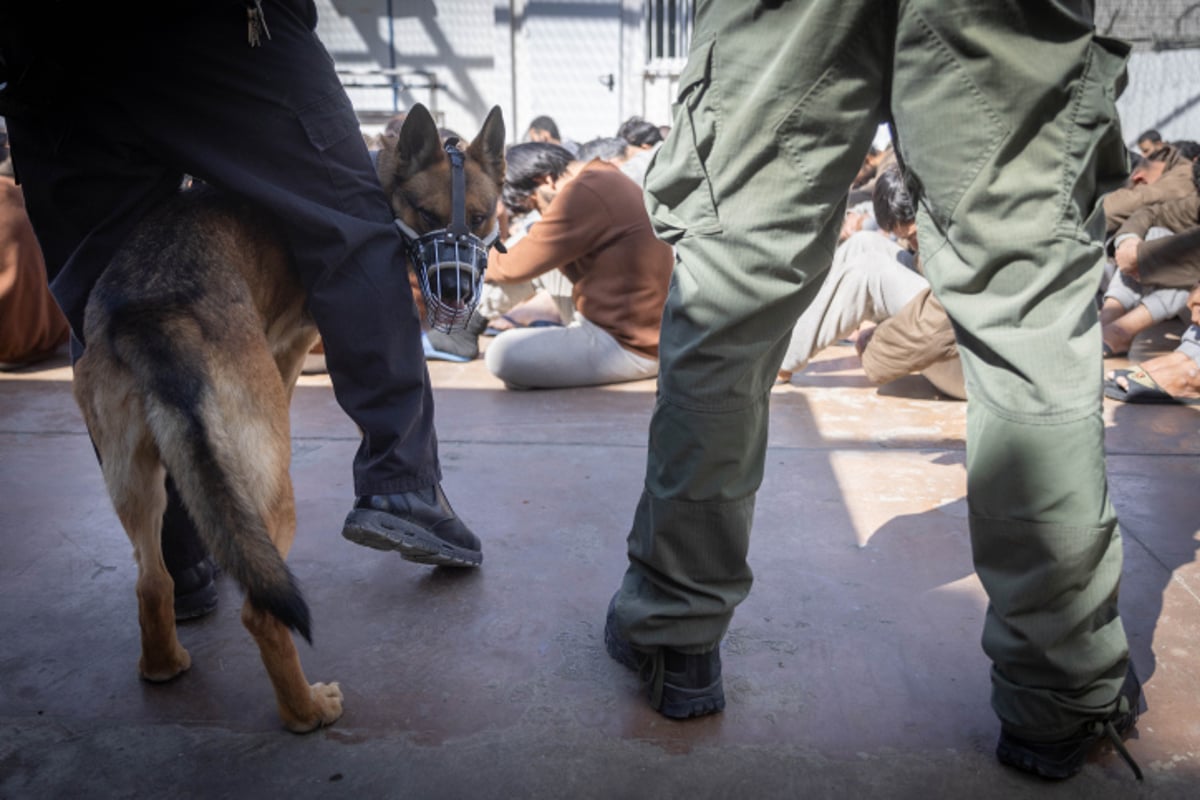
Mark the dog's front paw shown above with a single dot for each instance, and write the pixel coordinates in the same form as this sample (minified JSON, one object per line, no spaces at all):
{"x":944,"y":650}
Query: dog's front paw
{"x":326,"y":708}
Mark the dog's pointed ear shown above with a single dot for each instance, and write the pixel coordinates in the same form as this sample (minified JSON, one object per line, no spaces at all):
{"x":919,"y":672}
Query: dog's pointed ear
{"x":488,"y":147}
{"x":418,"y":147}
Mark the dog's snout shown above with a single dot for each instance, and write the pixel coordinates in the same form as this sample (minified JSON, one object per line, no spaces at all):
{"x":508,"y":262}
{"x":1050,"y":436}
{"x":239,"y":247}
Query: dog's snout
{"x":455,"y":285}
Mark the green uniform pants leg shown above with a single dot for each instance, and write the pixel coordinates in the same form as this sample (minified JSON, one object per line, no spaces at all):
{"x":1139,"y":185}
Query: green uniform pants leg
{"x":1010,"y":234}
{"x":750,"y":188}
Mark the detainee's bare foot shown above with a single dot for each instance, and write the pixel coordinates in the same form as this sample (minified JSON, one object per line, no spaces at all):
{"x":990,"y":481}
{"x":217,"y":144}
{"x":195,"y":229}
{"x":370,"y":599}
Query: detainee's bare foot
{"x":539,"y":308}
{"x":1118,"y":335}
{"x":1175,"y":372}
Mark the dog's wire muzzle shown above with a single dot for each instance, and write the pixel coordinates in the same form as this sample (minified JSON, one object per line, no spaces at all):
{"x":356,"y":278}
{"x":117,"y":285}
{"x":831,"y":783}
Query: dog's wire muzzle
{"x":450,"y":263}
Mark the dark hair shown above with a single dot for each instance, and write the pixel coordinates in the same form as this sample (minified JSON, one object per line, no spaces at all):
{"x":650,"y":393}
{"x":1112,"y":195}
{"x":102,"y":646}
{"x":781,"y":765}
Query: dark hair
{"x":544,"y":123}
{"x":892,"y":200}
{"x":1150,"y":136}
{"x":1196,"y":175}
{"x":1188,"y":149}
{"x":527,"y":164}
{"x":1136,"y":160}
{"x":640,"y":133}
{"x":1163,"y":153}
{"x":605,"y":147}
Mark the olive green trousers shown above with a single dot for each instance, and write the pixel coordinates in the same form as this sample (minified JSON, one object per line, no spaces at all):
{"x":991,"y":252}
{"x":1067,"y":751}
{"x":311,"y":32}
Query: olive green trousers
{"x":1005,"y":121}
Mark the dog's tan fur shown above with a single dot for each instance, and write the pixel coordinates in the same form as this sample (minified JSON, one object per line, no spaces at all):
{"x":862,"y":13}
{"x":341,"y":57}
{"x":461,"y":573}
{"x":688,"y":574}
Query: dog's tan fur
{"x":195,"y":338}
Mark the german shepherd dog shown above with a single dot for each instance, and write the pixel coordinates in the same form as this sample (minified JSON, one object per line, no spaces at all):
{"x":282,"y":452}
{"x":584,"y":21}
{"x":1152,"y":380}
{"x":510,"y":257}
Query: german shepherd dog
{"x":196,"y":334}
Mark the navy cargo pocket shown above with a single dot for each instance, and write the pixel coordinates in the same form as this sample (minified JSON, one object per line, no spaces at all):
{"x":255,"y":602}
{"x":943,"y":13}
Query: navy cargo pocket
{"x":329,"y":120}
{"x":679,"y":193}
{"x":350,"y":180}
{"x":1096,"y":156}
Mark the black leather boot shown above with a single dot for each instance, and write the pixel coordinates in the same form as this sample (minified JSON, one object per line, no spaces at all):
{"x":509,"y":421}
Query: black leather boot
{"x":188,"y":563}
{"x":196,"y":590}
{"x":679,"y":685}
{"x":420,"y":524}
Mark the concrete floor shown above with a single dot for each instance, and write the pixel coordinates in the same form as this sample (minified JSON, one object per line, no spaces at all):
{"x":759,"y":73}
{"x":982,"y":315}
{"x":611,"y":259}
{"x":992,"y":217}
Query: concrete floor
{"x":853,"y":670}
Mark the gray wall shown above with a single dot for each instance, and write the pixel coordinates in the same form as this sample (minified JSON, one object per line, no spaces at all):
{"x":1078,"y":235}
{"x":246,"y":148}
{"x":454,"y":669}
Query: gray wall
{"x":530,"y":57}
{"x":538,"y":57}
{"x":452,"y":39}
{"x":1163,"y":93}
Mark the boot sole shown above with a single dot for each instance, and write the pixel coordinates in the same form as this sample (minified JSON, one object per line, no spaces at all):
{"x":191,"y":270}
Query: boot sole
{"x":681,"y":703}
{"x":1018,"y":758}
{"x":382,"y":531}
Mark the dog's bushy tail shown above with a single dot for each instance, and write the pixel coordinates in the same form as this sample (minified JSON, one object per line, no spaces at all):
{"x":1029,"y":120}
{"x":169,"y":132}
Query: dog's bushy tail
{"x":178,"y":389}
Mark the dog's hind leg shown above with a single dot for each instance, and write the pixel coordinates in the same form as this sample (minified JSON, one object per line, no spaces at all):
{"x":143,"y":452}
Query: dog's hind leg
{"x":302,"y":707}
{"x":135,"y":477}
{"x":261,"y":456}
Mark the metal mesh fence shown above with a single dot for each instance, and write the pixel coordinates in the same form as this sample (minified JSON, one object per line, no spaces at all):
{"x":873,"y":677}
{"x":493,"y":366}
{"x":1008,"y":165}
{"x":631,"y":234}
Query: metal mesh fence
{"x":1151,"y":24}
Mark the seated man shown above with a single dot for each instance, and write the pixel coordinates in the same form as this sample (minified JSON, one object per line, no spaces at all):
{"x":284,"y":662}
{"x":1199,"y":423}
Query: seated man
{"x":1162,"y":176}
{"x":1172,"y":262}
{"x":612,"y":149}
{"x":643,"y":139}
{"x":544,"y":129}
{"x":874,"y":279}
{"x":32,"y":327}
{"x":1150,"y":142}
{"x":1132,"y":305}
{"x":595,"y":230}
{"x":546,"y":300}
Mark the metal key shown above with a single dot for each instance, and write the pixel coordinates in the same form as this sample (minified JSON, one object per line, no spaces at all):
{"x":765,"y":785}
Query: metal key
{"x":256,"y":23}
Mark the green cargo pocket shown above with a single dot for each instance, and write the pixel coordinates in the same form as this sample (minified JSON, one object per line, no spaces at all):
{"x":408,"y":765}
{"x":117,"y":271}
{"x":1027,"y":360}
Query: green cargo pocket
{"x":679,"y":194}
{"x":1096,"y":156}
{"x":946,"y":159}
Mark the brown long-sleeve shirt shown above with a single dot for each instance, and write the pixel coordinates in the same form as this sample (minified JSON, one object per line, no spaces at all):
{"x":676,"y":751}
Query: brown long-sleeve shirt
{"x":598,"y":233}
{"x":1172,"y":260}
{"x":1175,"y":182}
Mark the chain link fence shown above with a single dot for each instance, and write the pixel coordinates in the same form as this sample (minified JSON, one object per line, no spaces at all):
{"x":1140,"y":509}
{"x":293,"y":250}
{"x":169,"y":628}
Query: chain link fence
{"x":1151,"y":24}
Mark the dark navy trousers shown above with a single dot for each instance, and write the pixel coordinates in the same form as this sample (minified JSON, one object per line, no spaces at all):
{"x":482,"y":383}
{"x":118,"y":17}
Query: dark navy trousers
{"x":148,"y":99}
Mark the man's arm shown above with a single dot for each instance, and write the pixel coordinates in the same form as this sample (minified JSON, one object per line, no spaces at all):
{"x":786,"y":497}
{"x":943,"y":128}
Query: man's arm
{"x":1169,"y":261}
{"x":567,"y":231}
{"x":1172,"y":261}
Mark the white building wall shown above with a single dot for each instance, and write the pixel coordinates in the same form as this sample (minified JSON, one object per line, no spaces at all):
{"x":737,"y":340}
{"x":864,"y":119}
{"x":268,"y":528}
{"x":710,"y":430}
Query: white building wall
{"x":530,"y":57}
{"x":535,"y":57}
{"x":1163,"y":93}
{"x":453,"y":40}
